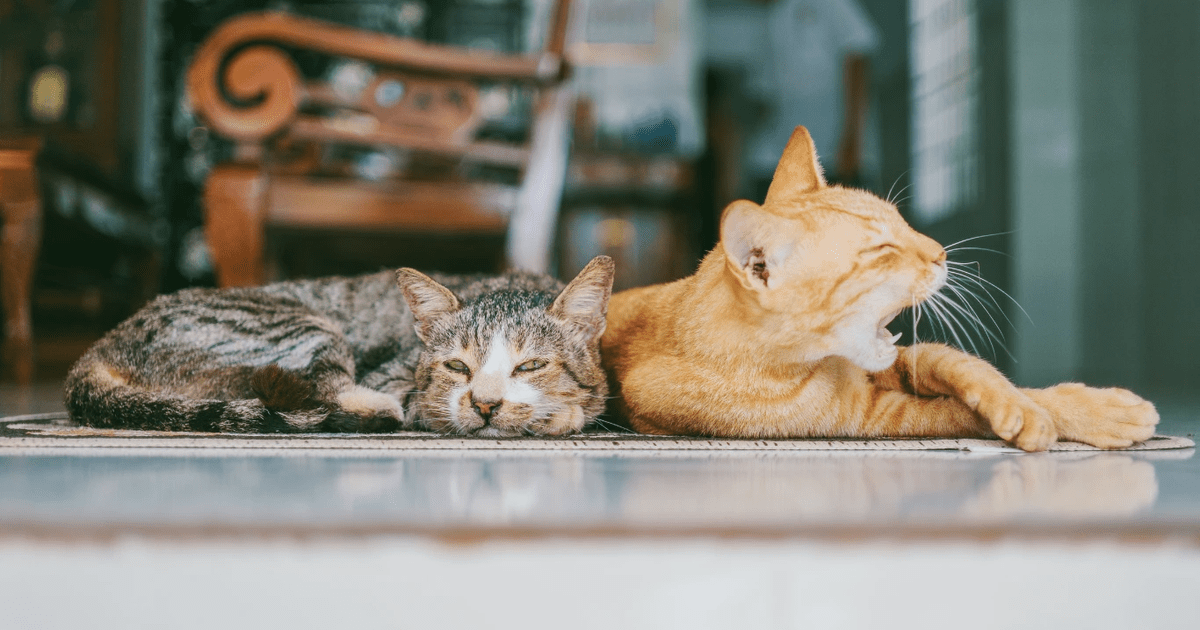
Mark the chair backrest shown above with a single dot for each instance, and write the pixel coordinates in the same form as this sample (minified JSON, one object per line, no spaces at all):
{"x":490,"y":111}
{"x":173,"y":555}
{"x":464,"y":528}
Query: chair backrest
{"x":388,"y":91}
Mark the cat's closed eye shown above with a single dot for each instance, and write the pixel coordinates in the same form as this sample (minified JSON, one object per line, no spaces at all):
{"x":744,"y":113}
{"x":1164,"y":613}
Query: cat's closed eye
{"x":455,"y":365}
{"x":882,"y":248}
{"x":529,"y":366}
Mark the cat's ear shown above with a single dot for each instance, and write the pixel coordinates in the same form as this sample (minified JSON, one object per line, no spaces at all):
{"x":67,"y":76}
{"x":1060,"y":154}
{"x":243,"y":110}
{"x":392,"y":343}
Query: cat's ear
{"x":799,"y":170}
{"x":427,"y":299}
{"x":584,"y":303}
{"x":747,"y":236}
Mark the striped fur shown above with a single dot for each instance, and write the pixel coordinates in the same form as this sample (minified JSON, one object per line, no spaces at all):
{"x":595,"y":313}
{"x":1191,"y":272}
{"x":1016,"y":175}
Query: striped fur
{"x":361,"y":354}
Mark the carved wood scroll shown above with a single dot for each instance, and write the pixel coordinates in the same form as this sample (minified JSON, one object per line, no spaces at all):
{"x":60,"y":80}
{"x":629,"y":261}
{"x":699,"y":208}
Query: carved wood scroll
{"x":248,"y":89}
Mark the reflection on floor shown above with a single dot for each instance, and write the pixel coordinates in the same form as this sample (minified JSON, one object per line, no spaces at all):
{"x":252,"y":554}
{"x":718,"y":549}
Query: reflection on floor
{"x":572,"y":490}
{"x":456,"y":539}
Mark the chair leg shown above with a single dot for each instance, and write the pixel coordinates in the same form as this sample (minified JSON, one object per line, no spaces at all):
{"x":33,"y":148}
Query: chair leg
{"x":20,"y":239}
{"x":234,"y":214}
{"x":532,"y":227}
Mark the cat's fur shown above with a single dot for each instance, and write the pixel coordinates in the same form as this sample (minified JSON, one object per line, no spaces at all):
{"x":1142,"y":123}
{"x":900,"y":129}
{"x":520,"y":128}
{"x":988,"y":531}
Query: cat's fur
{"x":492,"y":356}
{"x":781,"y":333}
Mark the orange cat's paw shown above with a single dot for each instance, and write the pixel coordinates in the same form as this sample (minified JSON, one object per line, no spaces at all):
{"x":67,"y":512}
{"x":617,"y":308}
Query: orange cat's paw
{"x":1014,"y":417}
{"x":1105,"y":418}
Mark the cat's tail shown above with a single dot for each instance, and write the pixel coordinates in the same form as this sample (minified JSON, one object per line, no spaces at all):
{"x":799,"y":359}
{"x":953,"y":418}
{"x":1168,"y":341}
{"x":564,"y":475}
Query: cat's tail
{"x":99,"y":396}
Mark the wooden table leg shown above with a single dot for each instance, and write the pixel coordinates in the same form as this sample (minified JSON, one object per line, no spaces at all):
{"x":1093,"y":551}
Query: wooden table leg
{"x":20,"y":238}
{"x":234,"y":214}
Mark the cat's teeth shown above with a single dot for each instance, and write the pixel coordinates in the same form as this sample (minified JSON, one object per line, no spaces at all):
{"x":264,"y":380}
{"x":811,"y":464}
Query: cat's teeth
{"x":895,"y":337}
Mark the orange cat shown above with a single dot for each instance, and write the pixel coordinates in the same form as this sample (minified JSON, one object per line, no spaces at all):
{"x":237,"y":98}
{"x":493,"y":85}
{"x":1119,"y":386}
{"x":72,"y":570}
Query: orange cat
{"x":781,"y":333}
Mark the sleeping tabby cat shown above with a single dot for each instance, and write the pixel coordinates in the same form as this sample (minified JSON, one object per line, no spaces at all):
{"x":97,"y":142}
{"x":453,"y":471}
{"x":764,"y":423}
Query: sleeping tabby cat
{"x":490,"y":356}
{"x":781,"y":333}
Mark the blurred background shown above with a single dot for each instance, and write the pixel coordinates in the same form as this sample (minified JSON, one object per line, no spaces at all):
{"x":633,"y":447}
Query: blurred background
{"x":150,"y":145}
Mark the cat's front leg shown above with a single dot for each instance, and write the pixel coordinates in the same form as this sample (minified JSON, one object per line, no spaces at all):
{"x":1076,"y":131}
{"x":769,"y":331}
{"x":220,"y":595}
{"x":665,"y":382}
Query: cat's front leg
{"x":364,"y":410}
{"x":394,"y":382}
{"x":388,"y":400}
{"x":936,"y":370}
{"x":1105,"y":418}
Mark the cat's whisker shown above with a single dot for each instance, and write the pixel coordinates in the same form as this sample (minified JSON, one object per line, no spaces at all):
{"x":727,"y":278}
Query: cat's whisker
{"x":963,"y":305}
{"x":988,"y":305}
{"x":963,"y":294}
{"x":916,"y":320}
{"x":892,"y":200}
{"x":938,"y":328}
{"x":980,"y":279}
{"x":973,"y":320}
{"x":611,"y":426}
{"x":968,"y":311}
{"x":935,"y":326}
{"x":968,"y":266}
{"x":953,"y":250}
{"x":888,"y":196}
{"x":944,"y":314}
{"x":965,"y":240}
{"x":978,"y":290}
{"x":607,"y":425}
{"x":967,"y":329}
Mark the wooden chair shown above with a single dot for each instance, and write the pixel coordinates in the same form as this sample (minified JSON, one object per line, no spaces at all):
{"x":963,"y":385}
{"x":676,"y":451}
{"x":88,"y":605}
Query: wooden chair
{"x":420,"y":99}
{"x":20,"y":237}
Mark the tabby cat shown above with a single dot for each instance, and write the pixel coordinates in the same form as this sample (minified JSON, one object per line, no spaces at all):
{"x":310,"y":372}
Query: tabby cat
{"x":781,"y":332}
{"x":489,"y":356}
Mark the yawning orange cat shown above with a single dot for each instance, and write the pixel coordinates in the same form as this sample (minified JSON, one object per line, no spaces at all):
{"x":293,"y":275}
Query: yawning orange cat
{"x":781,"y":333}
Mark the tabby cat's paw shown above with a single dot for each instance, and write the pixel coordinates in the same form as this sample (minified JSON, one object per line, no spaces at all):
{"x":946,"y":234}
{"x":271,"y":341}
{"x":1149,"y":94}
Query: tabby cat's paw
{"x":363,"y":410}
{"x":565,"y":422}
{"x":1105,"y":418}
{"x":1015,"y":417}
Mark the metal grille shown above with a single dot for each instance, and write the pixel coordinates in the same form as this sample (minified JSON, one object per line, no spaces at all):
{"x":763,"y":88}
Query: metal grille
{"x":945,"y":92}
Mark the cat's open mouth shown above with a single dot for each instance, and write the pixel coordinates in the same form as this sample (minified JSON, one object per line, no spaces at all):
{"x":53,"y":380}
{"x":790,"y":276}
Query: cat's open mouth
{"x":883,"y":334}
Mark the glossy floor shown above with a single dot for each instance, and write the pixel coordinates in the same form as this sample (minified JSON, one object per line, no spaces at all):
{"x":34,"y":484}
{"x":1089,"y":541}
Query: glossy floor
{"x":470,"y":493}
{"x":194,"y":539}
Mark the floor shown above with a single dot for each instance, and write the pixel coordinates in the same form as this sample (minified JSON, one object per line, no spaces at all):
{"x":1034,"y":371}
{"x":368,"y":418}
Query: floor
{"x":776,"y":540}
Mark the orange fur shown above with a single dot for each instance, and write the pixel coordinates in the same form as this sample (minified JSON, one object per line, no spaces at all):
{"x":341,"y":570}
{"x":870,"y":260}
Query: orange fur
{"x":780,"y":333}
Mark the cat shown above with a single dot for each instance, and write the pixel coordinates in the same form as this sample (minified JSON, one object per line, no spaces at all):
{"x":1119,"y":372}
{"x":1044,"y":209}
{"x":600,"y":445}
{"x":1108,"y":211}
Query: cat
{"x":501,"y":356}
{"x":781,"y":332}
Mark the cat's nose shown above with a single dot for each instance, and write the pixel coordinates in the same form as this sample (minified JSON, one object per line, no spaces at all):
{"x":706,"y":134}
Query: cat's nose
{"x":486,"y":408}
{"x":931,"y":250}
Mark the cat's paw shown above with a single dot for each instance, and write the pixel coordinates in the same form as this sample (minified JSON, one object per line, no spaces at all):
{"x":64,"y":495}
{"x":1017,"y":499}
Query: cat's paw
{"x":565,"y":422}
{"x":1104,"y":418}
{"x":360,"y":409}
{"x":1014,"y":416}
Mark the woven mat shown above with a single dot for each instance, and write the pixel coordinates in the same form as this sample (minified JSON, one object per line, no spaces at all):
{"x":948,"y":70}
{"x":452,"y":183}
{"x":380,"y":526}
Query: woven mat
{"x":54,"y":430}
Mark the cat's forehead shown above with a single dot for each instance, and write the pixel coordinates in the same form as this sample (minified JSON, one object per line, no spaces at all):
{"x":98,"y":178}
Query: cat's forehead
{"x":509,"y":309}
{"x":520,"y":318}
{"x":530,"y":332}
{"x":839,"y":202}
{"x":874,"y":217}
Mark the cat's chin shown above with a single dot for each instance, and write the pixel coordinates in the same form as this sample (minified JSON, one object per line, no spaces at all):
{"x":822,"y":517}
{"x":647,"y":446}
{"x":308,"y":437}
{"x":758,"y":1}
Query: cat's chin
{"x":886,"y":352}
{"x":872,"y":355}
{"x":494,"y":432}
{"x":876,"y":353}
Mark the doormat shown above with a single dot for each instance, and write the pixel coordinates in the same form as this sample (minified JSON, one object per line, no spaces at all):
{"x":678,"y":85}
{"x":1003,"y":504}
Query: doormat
{"x":55,"y":430}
